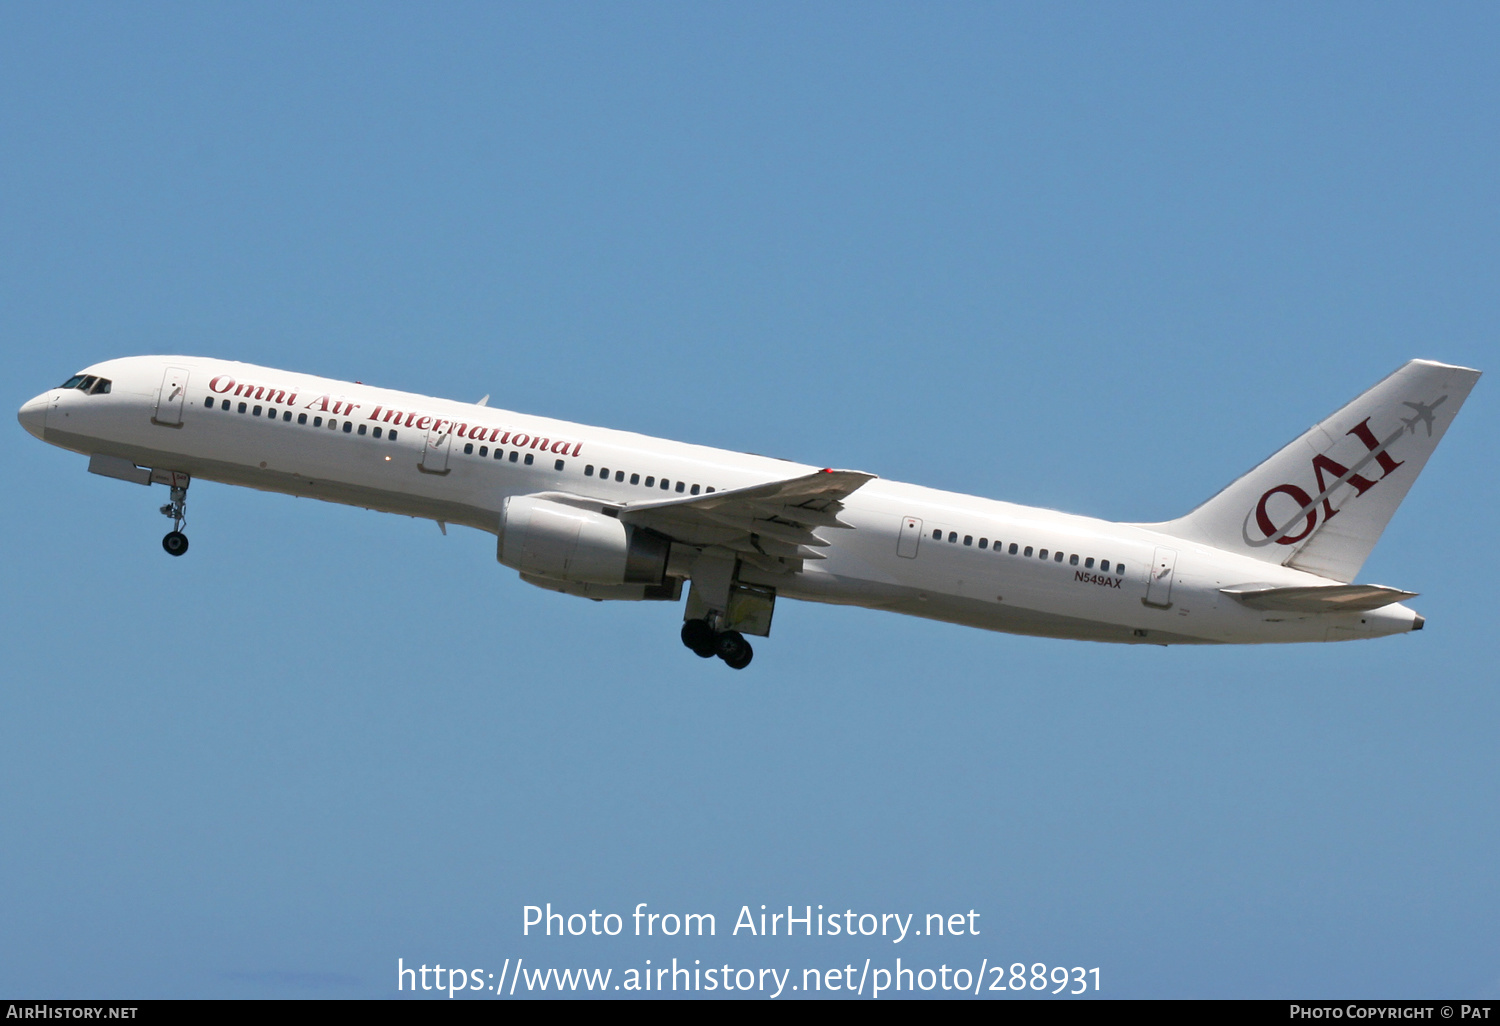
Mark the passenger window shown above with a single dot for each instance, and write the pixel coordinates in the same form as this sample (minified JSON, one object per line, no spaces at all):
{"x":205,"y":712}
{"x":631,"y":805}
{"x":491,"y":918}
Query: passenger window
{"x":499,"y":453}
{"x":225,"y":406}
{"x":1013,"y":549}
{"x":619,"y":475}
{"x":558,"y":465}
{"x":243,"y":407}
{"x":1026,"y":553}
{"x":604,"y":473}
{"x":937,"y":535}
{"x":484,"y":450}
{"x":514,"y":455}
{"x":208,"y":403}
{"x":680,"y":486}
{"x":317,"y":421}
{"x":1073,"y":559}
{"x":468,"y":448}
{"x":1042,"y":554}
{"x":588,"y":471}
{"x":286,"y":417}
{"x":391,"y":436}
{"x":377,"y":432}
{"x":695,"y":489}
{"x":984,"y":543}
{"x":952,"y":537}
{"x":1104,"y":565}
{"x":301,"y":418}
{"x":968,"y":539}
{"x":635,"y":479}
{"x":530,"y":458}
{"x":665,"y":484}
{"x":709,"y":489}
{"x":362,"y":429}
{"x":650,"y":482}
{"x":255,"y":412}
{"x":1058,"y":557}
{"x":333,"y":425}
{"x":271,"y":413}
{"x":348,"y":426}
{"x":1088,"y":564}
{"x":1120,"y":569}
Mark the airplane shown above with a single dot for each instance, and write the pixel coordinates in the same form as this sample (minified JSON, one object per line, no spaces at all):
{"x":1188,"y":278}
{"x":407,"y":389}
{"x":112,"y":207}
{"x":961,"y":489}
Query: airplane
{"x":1422,"y":415}
{"x":610,"y":515}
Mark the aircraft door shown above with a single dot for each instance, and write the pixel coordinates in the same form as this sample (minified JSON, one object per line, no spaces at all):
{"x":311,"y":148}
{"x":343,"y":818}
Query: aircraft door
{"x":1159,"y":588}
{"x":909,"y":538}
{"x":435,"y":455}
{"x":169,"y":400}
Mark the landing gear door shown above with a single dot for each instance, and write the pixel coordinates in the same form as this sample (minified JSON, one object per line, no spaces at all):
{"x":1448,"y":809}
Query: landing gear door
{"x":435,"y":455}
{"x":1163,"y":569}
{"x":910,"y":537}
{"x":169,"y":400}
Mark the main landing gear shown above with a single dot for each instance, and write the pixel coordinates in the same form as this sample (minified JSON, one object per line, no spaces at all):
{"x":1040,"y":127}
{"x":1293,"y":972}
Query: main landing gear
{"x":704,"y":641}
{"x":176,"y":542}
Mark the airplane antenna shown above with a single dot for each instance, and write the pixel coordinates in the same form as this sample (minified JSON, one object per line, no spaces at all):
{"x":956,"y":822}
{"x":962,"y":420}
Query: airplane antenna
{"x":484,"y":400}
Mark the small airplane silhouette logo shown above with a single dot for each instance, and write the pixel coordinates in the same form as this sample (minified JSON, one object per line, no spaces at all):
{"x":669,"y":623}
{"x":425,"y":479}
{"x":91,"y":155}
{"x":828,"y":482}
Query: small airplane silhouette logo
{"x":1423,"y":415}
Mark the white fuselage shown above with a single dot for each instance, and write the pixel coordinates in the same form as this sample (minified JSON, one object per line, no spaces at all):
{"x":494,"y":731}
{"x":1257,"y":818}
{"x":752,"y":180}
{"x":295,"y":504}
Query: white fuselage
{"x":911,"y":549}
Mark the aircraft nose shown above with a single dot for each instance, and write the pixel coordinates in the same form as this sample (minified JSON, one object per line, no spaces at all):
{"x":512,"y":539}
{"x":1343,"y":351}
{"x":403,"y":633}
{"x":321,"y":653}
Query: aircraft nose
{"x":33,"y":416}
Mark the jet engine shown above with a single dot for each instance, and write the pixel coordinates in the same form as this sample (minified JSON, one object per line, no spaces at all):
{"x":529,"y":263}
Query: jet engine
{"x":542,"y":538}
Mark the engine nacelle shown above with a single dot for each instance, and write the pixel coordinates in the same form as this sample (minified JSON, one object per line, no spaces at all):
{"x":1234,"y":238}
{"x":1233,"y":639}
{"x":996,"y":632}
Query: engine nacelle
{"x":542,"y":538}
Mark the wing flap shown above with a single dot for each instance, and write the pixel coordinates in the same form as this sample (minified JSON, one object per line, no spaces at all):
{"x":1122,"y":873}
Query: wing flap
{"x":806,"y":491}
{"x":771,"y":525}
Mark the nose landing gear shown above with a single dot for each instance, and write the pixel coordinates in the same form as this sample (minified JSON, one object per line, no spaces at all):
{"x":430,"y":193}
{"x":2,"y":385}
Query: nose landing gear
{"x":176,"y":543}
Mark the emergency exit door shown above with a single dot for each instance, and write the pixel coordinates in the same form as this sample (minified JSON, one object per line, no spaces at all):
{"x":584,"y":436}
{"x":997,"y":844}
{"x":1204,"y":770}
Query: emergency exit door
{"x":1159,"y":588}
{"x":435,"y":454}
{"x":909,"y":538}
{"x":169,"y":399}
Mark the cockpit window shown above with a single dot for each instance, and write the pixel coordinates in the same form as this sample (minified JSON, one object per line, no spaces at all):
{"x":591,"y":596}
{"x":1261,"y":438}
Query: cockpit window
{"x":88,"y":384}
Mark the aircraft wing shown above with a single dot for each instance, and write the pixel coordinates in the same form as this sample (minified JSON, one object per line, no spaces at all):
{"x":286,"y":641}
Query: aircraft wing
{"x":769,"y":525}
{"x":1341,"y":598}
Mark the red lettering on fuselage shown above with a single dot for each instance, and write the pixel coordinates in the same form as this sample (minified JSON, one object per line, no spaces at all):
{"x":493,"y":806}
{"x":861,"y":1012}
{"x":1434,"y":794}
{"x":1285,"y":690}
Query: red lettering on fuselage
{"x":226,"y":383}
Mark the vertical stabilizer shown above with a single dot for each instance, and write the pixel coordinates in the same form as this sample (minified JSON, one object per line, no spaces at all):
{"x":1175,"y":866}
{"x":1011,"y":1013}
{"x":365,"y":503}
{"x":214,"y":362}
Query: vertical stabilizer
{"x":1321,"y":503}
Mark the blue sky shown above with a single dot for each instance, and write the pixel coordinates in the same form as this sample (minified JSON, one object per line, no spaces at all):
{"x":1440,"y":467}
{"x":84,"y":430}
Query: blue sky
{"x":1098,"y":258}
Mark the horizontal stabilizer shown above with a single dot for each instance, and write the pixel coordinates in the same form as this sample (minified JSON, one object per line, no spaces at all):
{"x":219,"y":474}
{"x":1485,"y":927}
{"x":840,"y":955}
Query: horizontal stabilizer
{"x":1340,"y":598}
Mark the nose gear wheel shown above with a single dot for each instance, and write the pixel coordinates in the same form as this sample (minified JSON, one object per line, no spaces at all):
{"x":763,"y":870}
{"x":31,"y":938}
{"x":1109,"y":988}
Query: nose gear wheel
{"x":176,"y":543}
